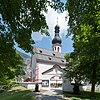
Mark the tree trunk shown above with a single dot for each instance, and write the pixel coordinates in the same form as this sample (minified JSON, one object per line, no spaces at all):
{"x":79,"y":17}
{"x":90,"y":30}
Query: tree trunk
{"x":93,"y":87}
{"x":93,"y":80}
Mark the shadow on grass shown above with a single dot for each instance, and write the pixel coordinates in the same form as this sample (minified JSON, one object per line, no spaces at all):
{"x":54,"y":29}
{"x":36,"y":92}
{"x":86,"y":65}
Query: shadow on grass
{"x":83,"y":95}
{"x":16,"y":95}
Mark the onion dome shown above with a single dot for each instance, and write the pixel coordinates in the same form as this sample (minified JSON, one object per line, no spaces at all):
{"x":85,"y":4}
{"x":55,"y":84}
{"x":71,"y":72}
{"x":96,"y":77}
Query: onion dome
{"x":57,"y":38}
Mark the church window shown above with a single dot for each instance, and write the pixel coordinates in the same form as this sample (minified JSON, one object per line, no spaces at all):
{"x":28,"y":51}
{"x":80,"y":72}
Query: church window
{"x":62,"y":60}
{"x":58,"y":48}
{"x":55,"y":48}
{"x":49,"y":58}
{"x":53,"y":54}
{"x":59,"y":77}
{"x":40,"y":51}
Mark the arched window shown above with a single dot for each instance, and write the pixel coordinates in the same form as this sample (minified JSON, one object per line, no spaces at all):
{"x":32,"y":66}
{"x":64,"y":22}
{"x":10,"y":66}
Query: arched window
{"x":58,"y":49}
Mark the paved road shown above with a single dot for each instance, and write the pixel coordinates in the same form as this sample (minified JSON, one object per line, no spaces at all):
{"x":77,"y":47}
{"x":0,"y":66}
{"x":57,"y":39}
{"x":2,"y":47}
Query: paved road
{"x":49,"y":95}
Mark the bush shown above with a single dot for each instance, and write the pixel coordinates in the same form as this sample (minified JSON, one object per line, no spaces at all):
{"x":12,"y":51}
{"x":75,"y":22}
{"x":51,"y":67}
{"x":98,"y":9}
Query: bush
{"x":5,"y":87}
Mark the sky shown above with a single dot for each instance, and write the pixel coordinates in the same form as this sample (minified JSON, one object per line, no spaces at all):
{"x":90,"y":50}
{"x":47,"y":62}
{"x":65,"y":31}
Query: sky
{"x":44,"y":41}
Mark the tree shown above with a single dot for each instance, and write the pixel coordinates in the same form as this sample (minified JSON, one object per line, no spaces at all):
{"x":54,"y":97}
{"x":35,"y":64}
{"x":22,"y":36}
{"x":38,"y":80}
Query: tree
{"x":84,"y":22}
{"x":12,"y":68}
{"x":11,"y":63}
{"x":18,"y":19}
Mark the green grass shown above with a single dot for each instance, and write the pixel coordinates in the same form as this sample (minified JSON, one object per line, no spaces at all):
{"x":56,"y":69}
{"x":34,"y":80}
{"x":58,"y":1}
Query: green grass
{"x":17,"y":94}
{"x":82,"y":96}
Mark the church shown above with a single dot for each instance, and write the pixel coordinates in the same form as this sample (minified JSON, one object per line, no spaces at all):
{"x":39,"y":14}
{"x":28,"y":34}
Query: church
{"x":48,"y":65}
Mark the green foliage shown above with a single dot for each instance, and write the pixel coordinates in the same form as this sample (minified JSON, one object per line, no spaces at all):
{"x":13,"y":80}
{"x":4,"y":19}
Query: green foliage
{"x":18,"y":19}
{"x":11,"y":63}
{"x":10,"y":70}
{"x":22,"y":17}
{"x":17,"y":95}
{"x":86,"y":95}
{"x":84,"y":22}
{"x":73,"y":67}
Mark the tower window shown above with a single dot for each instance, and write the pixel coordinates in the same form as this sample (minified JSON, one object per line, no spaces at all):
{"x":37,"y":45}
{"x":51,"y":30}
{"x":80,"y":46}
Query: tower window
{"x":40,"y":51}
{"x":53,"y":54}
{"x":55,"y":48}
{"x":49,"y":58}
{"x":59,"y":77}
{"x":62,"y":60}
{"x":58,"y":49}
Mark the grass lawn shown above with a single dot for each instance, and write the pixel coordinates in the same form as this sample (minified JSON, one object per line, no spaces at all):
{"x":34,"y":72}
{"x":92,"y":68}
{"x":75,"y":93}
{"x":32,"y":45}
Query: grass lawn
{"x":82,"y":96}
{"x":17,"y":93}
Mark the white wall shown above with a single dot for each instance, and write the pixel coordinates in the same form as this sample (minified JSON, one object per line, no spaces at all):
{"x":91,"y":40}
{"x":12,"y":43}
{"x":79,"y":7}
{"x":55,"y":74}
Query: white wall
{"x":88,"y":87}
{"x":67,"y":85}
{"x":44,"y":67}
{"x":69,"y":88}
{"x":31,"y":85}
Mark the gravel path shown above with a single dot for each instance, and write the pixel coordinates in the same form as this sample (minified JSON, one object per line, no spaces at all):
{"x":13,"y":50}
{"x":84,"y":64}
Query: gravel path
{"x":49,"y":95}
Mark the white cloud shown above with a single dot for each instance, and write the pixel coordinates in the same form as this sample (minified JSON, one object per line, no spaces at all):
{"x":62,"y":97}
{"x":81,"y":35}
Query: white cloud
{"x":37,"y":36}
{"x":51,"y":19}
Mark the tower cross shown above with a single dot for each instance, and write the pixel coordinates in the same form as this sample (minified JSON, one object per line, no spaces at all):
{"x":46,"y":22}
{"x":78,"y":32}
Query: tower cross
{"x":57,"y":20}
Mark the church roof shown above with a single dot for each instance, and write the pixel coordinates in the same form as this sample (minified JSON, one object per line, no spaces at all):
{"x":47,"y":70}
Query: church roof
{"x":54,"y":67}
{"x":57,"y":38}
{"x":48,"y":55}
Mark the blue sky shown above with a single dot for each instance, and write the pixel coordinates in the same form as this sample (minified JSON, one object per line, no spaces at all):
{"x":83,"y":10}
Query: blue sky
{"x":51,"y":19}
{"x":46,"y":41}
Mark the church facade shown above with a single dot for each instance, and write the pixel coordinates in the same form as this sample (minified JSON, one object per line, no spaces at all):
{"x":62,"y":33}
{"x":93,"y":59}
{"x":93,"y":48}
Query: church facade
{"x":47,"y":65}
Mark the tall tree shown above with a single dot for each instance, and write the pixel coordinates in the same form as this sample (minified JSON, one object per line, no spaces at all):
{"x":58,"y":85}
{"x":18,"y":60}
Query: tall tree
{"x":18,"y":19}
{"x":84,"y":22}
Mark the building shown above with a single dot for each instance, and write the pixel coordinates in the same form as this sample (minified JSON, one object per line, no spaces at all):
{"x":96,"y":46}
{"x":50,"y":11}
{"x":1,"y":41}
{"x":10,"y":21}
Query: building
{"x":48,"y":65}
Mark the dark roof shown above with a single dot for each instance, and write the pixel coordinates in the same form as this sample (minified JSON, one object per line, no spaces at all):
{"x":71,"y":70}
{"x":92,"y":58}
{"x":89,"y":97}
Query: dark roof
{"x":57,"y":38}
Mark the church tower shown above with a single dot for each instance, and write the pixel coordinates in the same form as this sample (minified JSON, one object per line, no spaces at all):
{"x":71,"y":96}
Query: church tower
{"x":56,"y":42}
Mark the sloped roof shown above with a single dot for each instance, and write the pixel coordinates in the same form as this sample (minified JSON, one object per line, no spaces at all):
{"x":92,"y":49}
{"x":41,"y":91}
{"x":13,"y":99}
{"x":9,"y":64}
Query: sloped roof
{"x":51,"y":69}
{"x":47,"y":55}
